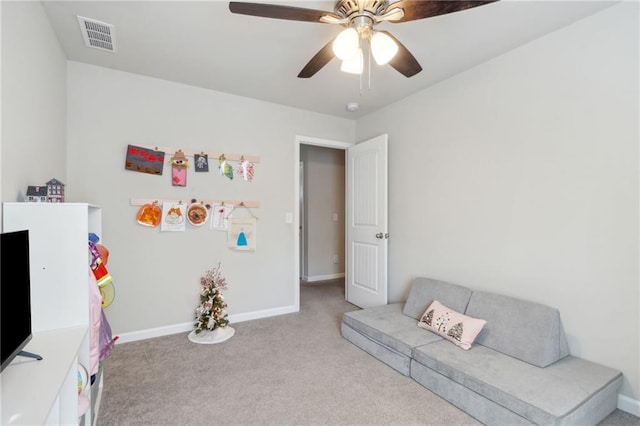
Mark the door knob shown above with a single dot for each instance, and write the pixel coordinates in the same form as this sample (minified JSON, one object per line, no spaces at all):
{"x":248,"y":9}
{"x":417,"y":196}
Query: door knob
{"x":379,"y":235}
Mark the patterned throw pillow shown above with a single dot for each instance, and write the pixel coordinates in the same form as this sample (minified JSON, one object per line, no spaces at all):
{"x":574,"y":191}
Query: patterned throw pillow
{"x":454,"y":326}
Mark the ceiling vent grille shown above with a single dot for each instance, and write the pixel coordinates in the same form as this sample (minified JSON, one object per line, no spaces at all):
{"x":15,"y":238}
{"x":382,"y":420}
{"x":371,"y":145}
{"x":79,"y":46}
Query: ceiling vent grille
{"x":98,"y":35}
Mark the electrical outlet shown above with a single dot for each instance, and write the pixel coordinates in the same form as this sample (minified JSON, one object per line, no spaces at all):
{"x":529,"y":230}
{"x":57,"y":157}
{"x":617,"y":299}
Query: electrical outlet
{"x":335,"y":258}
{"x":335,"y":217}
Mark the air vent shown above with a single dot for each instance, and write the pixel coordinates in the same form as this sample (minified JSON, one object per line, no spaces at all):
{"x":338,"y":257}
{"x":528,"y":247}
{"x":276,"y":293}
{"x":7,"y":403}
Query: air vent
{"x":98,"y":35}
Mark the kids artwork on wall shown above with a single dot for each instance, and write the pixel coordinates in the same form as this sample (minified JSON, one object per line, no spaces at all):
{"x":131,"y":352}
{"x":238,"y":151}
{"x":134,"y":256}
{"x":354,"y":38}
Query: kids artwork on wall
{"x":197,"y":213}
{"x":201,"y":162}
{"x":179,"y":164}
{"x":173,"y":216}
{"x":224,"y":167}
{"x":241,"y":233}
{"x":149,"y":214}
{"x":144,"y":160}
{"x":220,"y":218}
{"x":148,"y":159}
{"x":245,"y":169}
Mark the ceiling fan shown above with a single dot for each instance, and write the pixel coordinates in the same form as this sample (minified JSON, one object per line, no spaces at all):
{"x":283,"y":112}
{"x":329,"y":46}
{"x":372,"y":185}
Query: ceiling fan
{"x":359,"y":17}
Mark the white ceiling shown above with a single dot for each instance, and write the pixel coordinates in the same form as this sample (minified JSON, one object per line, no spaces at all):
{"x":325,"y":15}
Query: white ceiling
{"x":201,"y":43}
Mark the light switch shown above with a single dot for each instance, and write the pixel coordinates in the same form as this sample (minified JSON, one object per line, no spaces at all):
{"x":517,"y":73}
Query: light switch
{"x":335,"y":217}
{"x":288,"y":217}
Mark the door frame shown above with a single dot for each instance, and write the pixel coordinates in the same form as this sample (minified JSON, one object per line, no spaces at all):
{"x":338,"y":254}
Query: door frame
{"x":304,"y":140}
{"x":301,"y":225}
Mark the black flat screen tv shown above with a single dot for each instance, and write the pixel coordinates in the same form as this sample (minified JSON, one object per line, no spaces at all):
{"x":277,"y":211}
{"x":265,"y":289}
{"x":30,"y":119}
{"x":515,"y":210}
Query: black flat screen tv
{"x":15,"y":294}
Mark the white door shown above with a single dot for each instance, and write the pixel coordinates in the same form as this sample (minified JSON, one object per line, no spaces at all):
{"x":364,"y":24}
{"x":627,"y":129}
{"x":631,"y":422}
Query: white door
{"x":366,"y":281}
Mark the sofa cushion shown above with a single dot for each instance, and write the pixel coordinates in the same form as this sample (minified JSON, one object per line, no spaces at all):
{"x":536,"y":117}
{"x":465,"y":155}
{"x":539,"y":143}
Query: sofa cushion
{"x":389,"y":326}
{"x":529,"y":331}
{"x":541,"y":395}
{"x":454,"y":326}
{"x":394,"y":359}
{"x":426,"y":290}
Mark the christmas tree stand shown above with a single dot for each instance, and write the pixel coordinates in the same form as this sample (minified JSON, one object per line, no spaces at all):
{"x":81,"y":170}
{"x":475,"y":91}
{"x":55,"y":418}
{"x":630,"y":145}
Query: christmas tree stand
{"x":208,"y":337}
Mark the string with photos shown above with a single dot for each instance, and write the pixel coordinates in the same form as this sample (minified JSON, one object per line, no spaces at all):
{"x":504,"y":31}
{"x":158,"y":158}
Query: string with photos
{"x":245,"y":167}
{"x":152,"y":160}
{"x":211,"y":154}
{"x":235,"y":203}
{"x":150,"y":213}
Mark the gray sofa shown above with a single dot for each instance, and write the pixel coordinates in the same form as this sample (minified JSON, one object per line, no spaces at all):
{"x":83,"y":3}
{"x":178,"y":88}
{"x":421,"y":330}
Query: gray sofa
{"x":518,"y":371}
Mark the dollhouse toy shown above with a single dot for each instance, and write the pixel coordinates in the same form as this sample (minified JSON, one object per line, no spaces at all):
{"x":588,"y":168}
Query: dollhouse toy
{"x":36,"y":194}
{"x":55,"y":191}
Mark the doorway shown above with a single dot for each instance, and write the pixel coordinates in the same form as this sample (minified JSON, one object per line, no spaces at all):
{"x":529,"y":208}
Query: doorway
{"x":320,"y":150}
{"x":322,"y":213}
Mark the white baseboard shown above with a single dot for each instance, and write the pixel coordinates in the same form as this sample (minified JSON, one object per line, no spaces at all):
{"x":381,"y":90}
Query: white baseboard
{"x":262,"y":314}
{"x":630,"y":405}
{"x":188,"y":326}
{"x":324,"y":277}
{"x":150,"y":333}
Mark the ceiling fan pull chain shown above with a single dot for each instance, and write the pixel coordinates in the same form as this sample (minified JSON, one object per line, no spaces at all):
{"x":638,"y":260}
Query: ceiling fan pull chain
{"x":369,"y":62}
{"x":360,"y":83}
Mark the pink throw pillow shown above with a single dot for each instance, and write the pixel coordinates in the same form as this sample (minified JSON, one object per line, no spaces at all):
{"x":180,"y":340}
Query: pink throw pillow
{"x":454,"y":326}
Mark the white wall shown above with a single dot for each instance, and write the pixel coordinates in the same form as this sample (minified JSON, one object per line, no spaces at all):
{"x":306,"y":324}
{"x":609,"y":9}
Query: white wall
{"x":324,"y":196}
{"x":520,"y":176}
{"x":33,"y":100}
{"x":157,"y":274}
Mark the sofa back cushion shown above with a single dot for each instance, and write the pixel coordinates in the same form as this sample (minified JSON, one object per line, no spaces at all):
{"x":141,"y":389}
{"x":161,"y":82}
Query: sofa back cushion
{"x":426,"y":290}
{"x":525,"y":330}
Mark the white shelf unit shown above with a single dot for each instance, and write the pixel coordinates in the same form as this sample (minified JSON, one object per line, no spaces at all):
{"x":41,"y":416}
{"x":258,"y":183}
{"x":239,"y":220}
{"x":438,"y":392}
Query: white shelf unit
{"x":46,"y":392}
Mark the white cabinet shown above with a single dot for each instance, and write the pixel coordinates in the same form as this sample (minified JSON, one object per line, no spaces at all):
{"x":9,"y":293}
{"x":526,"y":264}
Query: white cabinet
{"x":46,"y":392}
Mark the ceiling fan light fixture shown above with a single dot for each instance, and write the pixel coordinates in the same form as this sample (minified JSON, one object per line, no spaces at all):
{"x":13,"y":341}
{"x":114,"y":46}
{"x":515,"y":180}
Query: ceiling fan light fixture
{"x":355,"y":64}
{"x":346,"y":45}
{"x":383,"y":48}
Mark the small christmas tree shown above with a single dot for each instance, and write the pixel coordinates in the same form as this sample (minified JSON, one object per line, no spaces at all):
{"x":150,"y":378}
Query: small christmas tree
{"x":428,"y":318}
{"x":456,"y":331}
{"x":211,"y":313}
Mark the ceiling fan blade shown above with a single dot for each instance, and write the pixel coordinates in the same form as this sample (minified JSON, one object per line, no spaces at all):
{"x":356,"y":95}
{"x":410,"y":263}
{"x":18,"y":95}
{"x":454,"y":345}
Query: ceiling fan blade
{"x":420,"y":9}
{"x":394,"y":14}
{"x":316,"y":63}
{"x":404,"y":62}
{"x":279,"y":12}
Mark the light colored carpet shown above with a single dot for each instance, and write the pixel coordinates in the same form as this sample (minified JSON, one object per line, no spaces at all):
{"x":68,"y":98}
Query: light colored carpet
{"x":292,"y":369}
